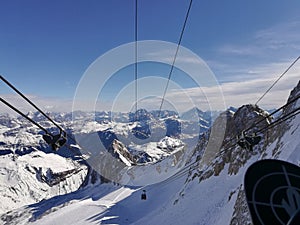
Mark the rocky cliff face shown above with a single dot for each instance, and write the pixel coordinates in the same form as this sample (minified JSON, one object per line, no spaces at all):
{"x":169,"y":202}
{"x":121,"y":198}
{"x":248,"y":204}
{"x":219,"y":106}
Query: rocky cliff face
{"x":275,"y":143}
{"x":230,"y":153}
{"x":273,"y":147}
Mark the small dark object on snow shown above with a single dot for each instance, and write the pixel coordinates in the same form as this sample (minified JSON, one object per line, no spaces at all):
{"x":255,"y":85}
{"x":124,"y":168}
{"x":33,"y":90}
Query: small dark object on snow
{"x":144,"y":196}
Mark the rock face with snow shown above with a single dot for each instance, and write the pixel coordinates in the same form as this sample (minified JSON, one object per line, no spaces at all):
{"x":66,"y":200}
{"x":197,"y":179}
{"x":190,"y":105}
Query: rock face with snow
{"x":36,"y":176}
{"x":280,"y":141}
{"x":119,"y":151}
{"x":170,"y":144}
{"x":30,"y":170}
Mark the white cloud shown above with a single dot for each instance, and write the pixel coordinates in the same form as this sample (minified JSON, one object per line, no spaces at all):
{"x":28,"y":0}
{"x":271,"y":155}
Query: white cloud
{"x":241,"y":50}
{"x":265,"y":55}
{"x":279,"y":40}
{"x":244,"y":84}
{"x":235,"y":93}
{"x":206,"y":98}
{"x":45,"y":104}
{"x":247,"y":88}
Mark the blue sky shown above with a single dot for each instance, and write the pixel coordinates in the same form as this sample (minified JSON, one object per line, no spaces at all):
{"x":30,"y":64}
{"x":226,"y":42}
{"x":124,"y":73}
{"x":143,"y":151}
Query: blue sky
{"x":46,"y":46}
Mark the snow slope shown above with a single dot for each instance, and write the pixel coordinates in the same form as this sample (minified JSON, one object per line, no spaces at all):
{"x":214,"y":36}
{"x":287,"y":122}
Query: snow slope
{"x":36,"y":176}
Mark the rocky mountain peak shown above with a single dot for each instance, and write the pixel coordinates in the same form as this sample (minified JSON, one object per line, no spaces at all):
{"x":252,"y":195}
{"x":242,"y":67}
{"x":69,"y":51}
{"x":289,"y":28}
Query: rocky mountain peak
{"x":229,"y":153}
{"x":247,"y":117}
{"x":140,"y":115}
{"x":120,"y":152}
{"x":232,"y":160}
{"x":295,"y":93}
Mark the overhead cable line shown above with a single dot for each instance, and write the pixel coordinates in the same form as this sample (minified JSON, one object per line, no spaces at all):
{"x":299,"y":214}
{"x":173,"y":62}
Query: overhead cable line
{"x":277,"y":80}
{"x":281,"y":119}
{"x":136,"y":55}
{"x":55,"y":141}
{"x":30,"y":102}
{"x":271,"y":114}
{"x":22,"y":114}
{"x":190,"y":166}
{"x":175,"y":57}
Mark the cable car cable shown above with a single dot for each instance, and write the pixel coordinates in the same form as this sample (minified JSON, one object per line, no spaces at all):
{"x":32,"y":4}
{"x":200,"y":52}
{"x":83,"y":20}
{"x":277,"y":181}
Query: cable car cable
{"x":175,"y":57}
{"x":22,"y":114}
{"x":30,"y":102}
{"x":271,"y":114}
{"x":277,"y":80}
{"x":136,"y":55}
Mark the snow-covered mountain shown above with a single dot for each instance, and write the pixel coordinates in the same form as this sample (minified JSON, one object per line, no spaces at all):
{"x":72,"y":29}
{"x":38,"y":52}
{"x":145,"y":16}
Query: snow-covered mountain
{"x":209,"y":190}
{"x":31,"y":171}
{"x":195,"y":114}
